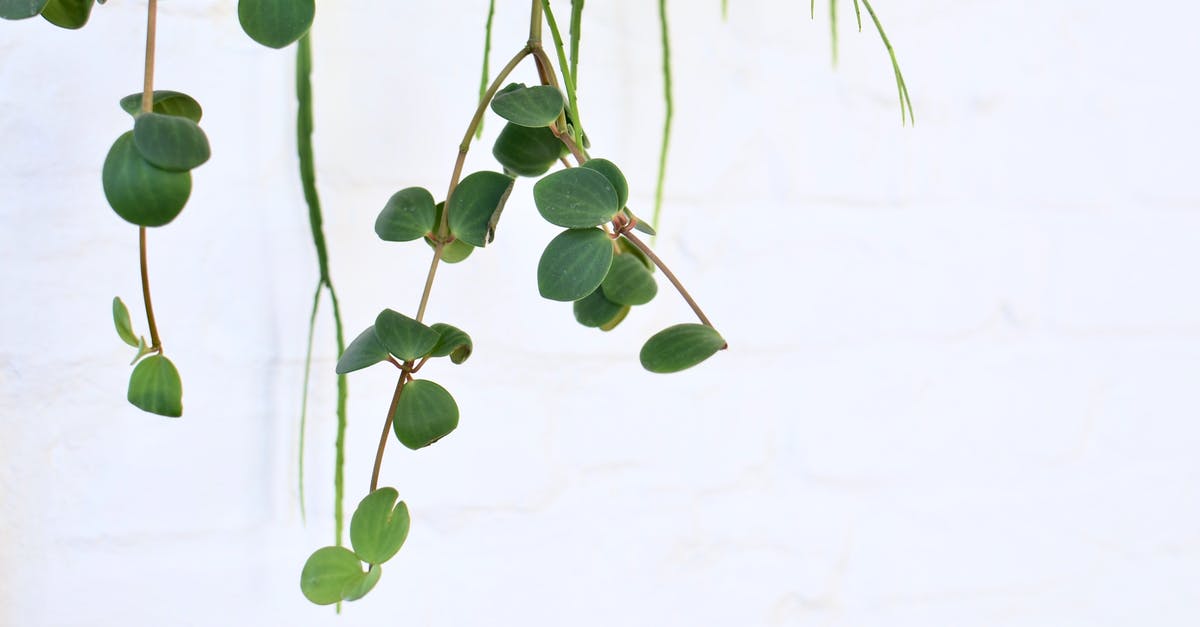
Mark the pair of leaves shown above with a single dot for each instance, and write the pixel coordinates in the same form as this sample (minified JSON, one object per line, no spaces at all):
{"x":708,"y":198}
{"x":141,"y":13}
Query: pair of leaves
{"x":146,"y":175}
{"x":396,"y":334}
{"x":276,"y":23}
{"x":475,"y":208}
{"x":70,"y":14}
{"x":582,"y":197}
{"x":154,"y":385}
{"x":378,"y":530}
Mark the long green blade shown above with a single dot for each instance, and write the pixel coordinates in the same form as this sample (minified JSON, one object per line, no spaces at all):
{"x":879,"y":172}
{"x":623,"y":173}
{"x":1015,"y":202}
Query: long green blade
{"x":487,"y":56}
{"x":669,"y":98}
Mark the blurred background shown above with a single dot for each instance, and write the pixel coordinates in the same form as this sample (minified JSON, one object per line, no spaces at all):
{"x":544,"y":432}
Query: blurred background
{"x":962,"y":379}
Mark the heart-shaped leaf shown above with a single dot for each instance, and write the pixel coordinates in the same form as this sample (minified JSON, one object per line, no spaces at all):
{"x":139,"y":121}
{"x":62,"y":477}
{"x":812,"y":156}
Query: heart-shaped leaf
{"x":528,"y":106}
{"x":166,"y":102}
{"x":170,"y":142}
{"x":154,"y":386}
{"x":365,"y":351}
{"x":574,"y":264}
{"x":475,"y":204}
{"x":404,"y":337}
{"x":577,"y":198}
{"x":594,"y":310}
{"x":680,"y":347}
{"x":614,"y":175}
{"x":527,"y":151}
{"x":139,"y":192}
{"x":408,"y":215}
{"x":330,"y":573}
{"x":425,"y":414}
{"x":20,"y":9}
{"x":629,"y":282}
{"x":69,"y":14}
{"x":453,"y":342}
{"x":122,"y":322}
{"x":276,"y":23}
{"x":379,"y":526}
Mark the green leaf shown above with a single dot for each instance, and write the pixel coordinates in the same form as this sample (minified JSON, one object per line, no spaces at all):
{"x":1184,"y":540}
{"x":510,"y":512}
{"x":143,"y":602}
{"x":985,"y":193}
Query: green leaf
{"x":425,"y":414}
{"x":577,"y":198}
{"x":628,"y":248}
{"x":379,"y":526}
{"x":155,"y":387}
{"x":640,"y":224}
{"x":527,"y":151}
{"x":166,"y":102}
{"x":594,"y":310}
{"x":356,"y":590}
{"x":170,"y":142}
{"x":629,"y":282}
{"x":455,"y":251}
{"x":574,"y":264}
{"x":528,"y":106}
{"x":276,"y":23}
{"x":69,"y":14}
{"x":139,"y":192}
{"x":476,"y":200}
{"x":612,"y":324}
{"x":453,"y":342}
{"x":614,"y":176}
{"x":121,"y":320}
{"x":404,"y":337}
{"x":408,"y":215}
{"x":363,"y":352}
{"x":329,"y":573}
{"x":20,"y":9}
{"x":680,"y":347}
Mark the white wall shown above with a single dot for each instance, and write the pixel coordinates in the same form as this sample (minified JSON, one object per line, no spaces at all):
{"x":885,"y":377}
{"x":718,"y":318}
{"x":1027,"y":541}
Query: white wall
{"x":962,"y":383}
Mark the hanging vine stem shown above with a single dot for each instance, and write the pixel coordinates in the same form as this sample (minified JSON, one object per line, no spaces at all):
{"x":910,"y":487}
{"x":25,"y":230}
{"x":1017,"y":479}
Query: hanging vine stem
{"x":669,"y":101}
{"x":147,"y":107}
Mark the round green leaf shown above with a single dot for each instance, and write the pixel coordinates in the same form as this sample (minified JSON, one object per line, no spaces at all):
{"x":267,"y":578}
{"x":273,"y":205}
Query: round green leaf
{"x":594,"y":310}
{"x":121,"y":320}
{"x":614,"y":176}
{"x":612,"y":324}
{"x":364,"y":351}
{"x":170,"y":142}
{"x":69,"y":14}
{"x":574,"y":264}
{"x":408,"y":215}
{"x":166,"y":102}
{"x":680,"y":347}
{"x":276,"y":23}
{"x":20,"y":9}
{"x":379,"y":526}
{"x":155,"y":387}
{"x":139,"y":192}
{"x":425,"y":414}
{"x":629,"y":282}
{"x":476,"y":204}
{"x":577,"y":198}
{"x":330,"y":572}
{"x":527,"y":151}
{"x":528,"y":106}
{"x":404,"y":337}
{"x":453,"y":342}
{"x":356,"y":590}
{"x":455,"y":251}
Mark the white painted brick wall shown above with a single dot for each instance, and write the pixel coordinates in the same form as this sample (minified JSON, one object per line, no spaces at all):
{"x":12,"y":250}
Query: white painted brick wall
{"x":962,"y":384}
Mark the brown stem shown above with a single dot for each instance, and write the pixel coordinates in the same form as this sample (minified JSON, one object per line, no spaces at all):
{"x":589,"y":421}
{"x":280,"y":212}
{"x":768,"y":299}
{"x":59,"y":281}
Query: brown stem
{"x":155,"y":342}
{"x":670,"y":276}
{"x":387,"y":428}
{"x":151,"y":30}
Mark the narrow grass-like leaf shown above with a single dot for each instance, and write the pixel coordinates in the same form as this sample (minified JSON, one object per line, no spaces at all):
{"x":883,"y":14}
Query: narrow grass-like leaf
{"x":478,"y":197}
{"x":576,"y":198}
{"x":453,"y":342}
{"x":170,"y":142}
{"x":425,"y":414}
{"x":408,"y":215}
{"x":139,"y":192}
{"x":328,"y":573}
{"x":308,"y":351}
{"x":680,"y":347}
{"x":629,"y":282}
{"x":569,"y":84}
{"x":576,"y":30}
{"x":69,"y":14}
{"x":379,"y":526}
{"x":122,"y":322}
{"x":487,"y":57}
{"x":858,"y":15}
{"x":404,"y":337}
{"x":574,"y":264}
{"x":833,"y":29}
{"x":276,"y":23}
{"x":20,"y":9}
{"x":166,"y":102}
{"x":535,"y":107}
{"x":154,"y":386}
{"x":669,"y":100}
{"x":901,"y":87}
{"x":364,"y":351}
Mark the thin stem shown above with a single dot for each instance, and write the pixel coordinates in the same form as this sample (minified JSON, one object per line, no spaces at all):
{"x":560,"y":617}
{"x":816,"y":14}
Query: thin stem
{"x":312,"y":326}
{"x":568,"y":79}
{"x":433,"y":266}
{"x":535,"y":23}
{"x":151,"y":30}
{"x":155,"y":341}
{"x":633,"y":239}
{"x":487,"y":56}
{"x":669,"y":100}
{"x":387,"y":428}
